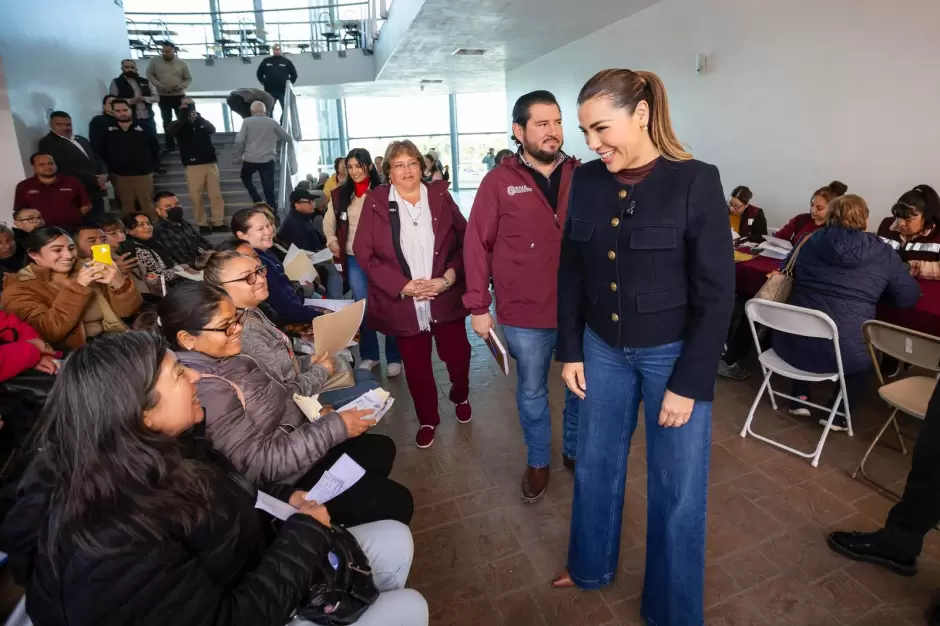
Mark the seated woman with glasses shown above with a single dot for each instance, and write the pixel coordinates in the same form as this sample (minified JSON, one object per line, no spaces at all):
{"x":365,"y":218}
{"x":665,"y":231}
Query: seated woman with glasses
{"x":747,"y":220}
{"x":253,"y":420}
{"x":244,"y":279}
{"x":67,"y":301}
{"x":125,"y":515}
{"x":253,"y":226}
{"x":912,"y":231}
{"x":151,"y":258}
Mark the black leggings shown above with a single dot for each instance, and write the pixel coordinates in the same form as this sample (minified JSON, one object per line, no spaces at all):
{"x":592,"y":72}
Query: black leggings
{"x":375,"y":497}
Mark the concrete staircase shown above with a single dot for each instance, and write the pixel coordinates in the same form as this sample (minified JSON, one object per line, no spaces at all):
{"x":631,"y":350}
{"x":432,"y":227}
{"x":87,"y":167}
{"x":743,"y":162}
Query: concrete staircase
{"x":233,"y":191}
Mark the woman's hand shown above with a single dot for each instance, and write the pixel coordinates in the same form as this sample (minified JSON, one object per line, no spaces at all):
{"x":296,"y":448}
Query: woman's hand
{"x":126,"y":263}
{"x":314,"y":510}
{"x":42,"y":346}
{"x":323,"y":361}
{"x":431,"y":288}
{"x":111,"y":277}
{"x":334,"y":248}
{"x":915,"y":268}
{"x":573,"y":373}
{"x":89,"y":274}
{"x":47,"y":365}
{"x":676,"y":410}
{"x":355,"y":424}
{"x":297,"y":499}
{"x":414,"y":288}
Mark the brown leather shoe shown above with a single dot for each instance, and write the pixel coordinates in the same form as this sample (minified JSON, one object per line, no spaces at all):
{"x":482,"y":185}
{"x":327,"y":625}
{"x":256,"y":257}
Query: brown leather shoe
{"x":567,"y":461}
{"x":563,"y":580}
{"x":534,"y":483}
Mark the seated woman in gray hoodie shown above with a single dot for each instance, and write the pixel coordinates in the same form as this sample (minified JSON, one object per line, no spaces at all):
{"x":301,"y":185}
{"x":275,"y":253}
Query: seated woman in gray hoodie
{"x":252,"y":419}
{"x":243,"y":278}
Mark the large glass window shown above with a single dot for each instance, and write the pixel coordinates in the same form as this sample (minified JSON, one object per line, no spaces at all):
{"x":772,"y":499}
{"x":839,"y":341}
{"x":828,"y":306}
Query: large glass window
{"x":397,"y":117}
{"x":481,"y":126}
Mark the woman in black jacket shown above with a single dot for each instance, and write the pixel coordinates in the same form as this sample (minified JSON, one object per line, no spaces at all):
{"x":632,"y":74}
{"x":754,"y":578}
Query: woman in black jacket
{"x":125,"y":516}
{"x":645,"y":290}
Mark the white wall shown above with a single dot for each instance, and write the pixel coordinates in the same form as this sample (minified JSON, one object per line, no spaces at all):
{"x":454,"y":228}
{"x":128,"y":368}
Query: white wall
{"x":797,"y":92}
{"x":57,"y":54}
{"x":11,"y":163}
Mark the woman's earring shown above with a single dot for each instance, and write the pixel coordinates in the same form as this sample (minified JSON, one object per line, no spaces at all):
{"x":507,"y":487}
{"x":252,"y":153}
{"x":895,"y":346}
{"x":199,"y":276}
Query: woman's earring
{"x":643,"y":128}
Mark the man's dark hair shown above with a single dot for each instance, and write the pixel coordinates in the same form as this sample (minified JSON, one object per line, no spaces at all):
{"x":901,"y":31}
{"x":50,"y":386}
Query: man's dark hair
{"x":104,"y":100}
{"x":89,"y":225}
{"x":35,"y":155}
{"x":117,"y":101}
{"x":109,"y":220}
{"x":19,"y":211}
{"x":59,"y":114}
{"x":522,"y":109}
{"x":160,"y":195}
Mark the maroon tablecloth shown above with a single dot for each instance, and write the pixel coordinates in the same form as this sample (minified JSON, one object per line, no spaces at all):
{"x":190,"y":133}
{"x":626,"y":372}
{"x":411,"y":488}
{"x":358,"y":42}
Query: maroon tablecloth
{"x":925,"y":316}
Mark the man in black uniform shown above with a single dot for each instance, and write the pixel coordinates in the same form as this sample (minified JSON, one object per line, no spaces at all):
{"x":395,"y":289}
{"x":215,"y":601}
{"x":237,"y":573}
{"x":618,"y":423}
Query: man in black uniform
{"x":273,"y":74}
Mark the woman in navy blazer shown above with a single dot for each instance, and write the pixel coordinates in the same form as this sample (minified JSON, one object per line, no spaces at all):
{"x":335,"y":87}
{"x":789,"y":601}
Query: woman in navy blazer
{"x":409,"y":243}
{"x":645,"y":291}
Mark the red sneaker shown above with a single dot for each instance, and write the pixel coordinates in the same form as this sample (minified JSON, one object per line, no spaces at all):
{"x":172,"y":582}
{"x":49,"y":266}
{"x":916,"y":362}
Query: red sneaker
{"x":425,"y":437}
{"x":464,"y":412}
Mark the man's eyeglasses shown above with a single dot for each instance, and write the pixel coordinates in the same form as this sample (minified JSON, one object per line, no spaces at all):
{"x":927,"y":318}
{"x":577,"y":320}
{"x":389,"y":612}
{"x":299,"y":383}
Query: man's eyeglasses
{"x":410,"y":165}
{"x":228,"y":329}
{"x":251,"y":279}
{"x":29,"y":220}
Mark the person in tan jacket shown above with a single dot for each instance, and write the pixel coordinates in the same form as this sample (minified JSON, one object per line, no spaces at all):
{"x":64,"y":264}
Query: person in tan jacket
{"x":170,"y":76}
{"x":66,"y":301}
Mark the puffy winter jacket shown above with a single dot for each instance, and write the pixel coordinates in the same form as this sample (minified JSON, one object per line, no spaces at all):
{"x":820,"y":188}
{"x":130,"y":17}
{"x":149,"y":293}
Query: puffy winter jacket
{"x":253,"y":420}
{"x":843,"y":273}
{"x":222,"y":572}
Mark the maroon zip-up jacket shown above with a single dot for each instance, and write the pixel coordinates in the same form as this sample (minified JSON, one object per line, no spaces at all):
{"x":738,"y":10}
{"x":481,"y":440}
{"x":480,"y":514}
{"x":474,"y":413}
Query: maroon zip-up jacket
{"x":377,"y":254}
{"x":515,"y":237}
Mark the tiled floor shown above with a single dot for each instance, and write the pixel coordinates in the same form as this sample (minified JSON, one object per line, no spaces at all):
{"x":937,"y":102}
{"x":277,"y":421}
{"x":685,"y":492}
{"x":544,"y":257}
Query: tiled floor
{"x":482,"y":557}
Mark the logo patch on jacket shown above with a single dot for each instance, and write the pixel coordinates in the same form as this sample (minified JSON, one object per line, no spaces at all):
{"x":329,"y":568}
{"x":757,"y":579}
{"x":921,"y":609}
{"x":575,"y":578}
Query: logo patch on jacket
{"x":513,"y":190}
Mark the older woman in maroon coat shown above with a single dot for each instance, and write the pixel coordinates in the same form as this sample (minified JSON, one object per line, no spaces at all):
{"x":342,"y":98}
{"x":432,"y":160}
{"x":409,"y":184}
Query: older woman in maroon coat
{"x":410,"y":244}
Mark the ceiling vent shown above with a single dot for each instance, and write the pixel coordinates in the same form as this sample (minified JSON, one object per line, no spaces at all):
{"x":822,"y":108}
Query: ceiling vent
{"x":468,"y":52}
{"x":432,"y":81}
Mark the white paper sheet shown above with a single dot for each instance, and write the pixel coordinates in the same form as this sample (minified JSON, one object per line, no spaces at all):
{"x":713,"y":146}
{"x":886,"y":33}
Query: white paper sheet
{"x":323,"y":256}
{"x":344,"y":474}
{"x":327,"y":304}
{"x":378,"y":401}
{"x":267,"y":502}
{"x":309,"y":405}
{"x":782,"y":244}
{"x":773,"y":253}
{"x":298,"y":267}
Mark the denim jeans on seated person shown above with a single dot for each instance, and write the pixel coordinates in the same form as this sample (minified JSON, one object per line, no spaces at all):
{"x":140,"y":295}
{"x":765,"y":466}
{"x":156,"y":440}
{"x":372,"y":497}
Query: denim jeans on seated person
{"x":368,"y":339}
{"x":390,"y":549}
{"x":677,"y":481}
{"x":338,"y":398}
{"x":532,"y":348}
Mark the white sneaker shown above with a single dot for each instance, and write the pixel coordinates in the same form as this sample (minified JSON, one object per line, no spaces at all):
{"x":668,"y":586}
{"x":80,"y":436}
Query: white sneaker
{"x":368,"y":364}
{"x":393,"y":370}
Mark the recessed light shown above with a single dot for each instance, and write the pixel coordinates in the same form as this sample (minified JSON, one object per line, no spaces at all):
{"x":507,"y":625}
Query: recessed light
{"x":431,"y":81}
{"x":468,"y":52}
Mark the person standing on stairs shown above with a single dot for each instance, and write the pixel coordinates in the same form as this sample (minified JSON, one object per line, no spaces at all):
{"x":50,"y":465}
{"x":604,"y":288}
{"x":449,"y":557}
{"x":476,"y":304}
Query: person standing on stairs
{"x":514,"y":236}
{"x":170,"y":76}
{"x":194,"y":135}
{"x":74,"y":156}
{"x":273,"y":74}
{"x":126,"y":148}
{"x":256,"y":148}
{"x":137,"y":92}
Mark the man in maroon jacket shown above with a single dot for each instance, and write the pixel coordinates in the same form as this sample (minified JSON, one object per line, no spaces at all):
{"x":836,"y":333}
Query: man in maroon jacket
{"x":514,"y":236}
{"x":62,"y":200}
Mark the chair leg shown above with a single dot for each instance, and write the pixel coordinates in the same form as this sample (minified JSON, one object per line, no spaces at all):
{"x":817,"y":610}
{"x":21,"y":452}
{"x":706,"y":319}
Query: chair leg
{"x":897,"y":432}
{"x":826,"y":429}
{"x":861,"y":464}
{"x":770,"y":390}
{"x":750,"y":415}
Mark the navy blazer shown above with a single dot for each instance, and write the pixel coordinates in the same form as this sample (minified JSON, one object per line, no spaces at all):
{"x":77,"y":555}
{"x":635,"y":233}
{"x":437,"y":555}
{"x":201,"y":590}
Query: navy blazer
{"x":649,"y":265}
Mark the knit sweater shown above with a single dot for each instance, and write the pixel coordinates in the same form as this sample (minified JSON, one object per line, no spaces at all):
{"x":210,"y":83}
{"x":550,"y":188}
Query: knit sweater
{"x":262,"y":341}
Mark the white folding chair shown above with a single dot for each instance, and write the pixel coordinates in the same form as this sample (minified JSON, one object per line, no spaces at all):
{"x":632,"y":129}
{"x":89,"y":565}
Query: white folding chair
{"x":806,"y":323}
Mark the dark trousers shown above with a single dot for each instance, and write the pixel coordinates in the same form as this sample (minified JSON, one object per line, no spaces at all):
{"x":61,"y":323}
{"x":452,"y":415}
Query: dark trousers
{"x":919,"y":509}
{"x":375,"y":497}
{"x":454,"y":350}
{"x":266,"y":172}
{"x":278,"y":99}
{"x":855,"y":385}
{"x":168,"y":106}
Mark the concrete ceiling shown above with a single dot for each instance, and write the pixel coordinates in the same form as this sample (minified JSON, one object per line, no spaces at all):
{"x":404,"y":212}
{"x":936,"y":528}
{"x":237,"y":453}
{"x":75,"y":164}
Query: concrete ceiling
{"x":513,"y":33}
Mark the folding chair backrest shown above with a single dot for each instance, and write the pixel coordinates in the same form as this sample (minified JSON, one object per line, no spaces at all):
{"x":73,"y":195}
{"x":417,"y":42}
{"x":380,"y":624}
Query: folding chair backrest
{"x":791,"y":319}
{"x":904,"y":344}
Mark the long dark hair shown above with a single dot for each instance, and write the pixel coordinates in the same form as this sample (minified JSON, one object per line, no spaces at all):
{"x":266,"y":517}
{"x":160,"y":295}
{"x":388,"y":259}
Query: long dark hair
{"x":189,"y":305}
{"x":349,"y":185}
{"x":38,"y":238}
{"x":921,"y":200}
{"x":101,"y":457}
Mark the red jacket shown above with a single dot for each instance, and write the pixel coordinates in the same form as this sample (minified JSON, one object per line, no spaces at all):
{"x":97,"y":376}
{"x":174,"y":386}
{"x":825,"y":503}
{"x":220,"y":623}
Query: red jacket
{"x":376,"y":253}
{"x":515,"y":237}
{"x":16,"y":353}
{"x":798,"y":227}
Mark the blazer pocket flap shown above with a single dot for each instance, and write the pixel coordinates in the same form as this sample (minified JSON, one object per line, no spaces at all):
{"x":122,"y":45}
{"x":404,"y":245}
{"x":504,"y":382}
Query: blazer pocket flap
{"x":653,"y":238}
{"x":581,"y":230}
{"x":660,"y":300}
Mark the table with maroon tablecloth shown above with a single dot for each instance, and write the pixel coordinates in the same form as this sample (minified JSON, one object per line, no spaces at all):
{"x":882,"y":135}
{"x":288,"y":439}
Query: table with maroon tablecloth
{"x":924,"y":316}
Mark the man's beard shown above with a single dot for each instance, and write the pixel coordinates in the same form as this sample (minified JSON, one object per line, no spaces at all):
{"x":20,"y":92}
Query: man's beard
{"x":543,"y":156}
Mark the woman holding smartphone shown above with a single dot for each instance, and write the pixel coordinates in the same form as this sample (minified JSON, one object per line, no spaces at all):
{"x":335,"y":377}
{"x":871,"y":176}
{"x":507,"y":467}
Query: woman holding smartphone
{"x":645,"y":289}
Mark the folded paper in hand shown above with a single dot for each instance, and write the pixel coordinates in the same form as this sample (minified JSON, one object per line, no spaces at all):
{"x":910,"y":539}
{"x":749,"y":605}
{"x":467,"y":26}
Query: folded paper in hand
{"x":333,"y":332}
{"x":309,"y":406}
{"x":268,"y":503}
{"x":783,"y":244}
{"x":344,"y":474}
{"x":298,"y":267}
{"x":378,"y":401}
{"x":318,"y":258}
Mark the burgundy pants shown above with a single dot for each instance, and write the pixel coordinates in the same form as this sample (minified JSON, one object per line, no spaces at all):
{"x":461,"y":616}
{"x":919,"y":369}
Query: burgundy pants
{"x":454,"y":350}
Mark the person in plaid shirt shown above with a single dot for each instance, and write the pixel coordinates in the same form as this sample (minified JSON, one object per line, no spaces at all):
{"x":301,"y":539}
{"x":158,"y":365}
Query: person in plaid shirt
{"x":178,"y":237}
